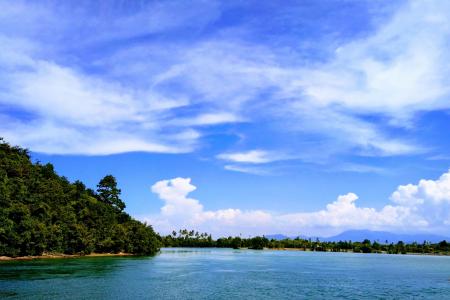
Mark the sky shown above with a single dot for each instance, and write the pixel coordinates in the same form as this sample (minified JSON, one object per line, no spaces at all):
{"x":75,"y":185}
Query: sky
{"x":239,"y":117}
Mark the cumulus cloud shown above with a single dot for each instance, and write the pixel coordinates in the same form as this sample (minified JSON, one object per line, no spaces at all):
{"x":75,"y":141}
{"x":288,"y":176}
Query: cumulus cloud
{"x":174,"y":193}
{"x":430,"y":198}
{"x":179,"y":211}
{"x":434,"y":191}
{"x":416,"y":208}
{"x":343,"y":214}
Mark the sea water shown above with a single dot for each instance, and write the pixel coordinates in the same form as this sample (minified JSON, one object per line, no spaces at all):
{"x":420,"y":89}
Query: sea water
{"x":192,"y":273}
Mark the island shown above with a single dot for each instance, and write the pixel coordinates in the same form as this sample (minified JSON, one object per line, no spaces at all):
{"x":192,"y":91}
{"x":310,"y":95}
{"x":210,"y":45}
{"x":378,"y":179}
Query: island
{"x":43,"y":214}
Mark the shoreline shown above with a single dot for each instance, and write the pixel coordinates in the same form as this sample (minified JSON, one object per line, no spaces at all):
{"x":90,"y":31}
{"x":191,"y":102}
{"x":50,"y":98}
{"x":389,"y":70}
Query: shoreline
{"x":62,"y":255}
{"x":123,"y":254}
{"x":310,"y":250}
{"x":350,"y":251}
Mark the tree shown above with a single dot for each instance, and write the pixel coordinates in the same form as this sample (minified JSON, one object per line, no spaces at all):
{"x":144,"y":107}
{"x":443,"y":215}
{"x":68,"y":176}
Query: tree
{"x":258,"y":243}
{"x":109,"y":193}
{"x":41,"y":211}
{"x":366,"y":246}
{"x":443,"y":245}
{"x":236,"y":243}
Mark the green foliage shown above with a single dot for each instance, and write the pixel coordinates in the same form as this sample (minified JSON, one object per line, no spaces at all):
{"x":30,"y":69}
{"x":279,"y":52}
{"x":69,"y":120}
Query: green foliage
{"x":258,"y":243}
{"x":186,"y":238}
{"x":109,"y":193}
{"x":41,"y":211}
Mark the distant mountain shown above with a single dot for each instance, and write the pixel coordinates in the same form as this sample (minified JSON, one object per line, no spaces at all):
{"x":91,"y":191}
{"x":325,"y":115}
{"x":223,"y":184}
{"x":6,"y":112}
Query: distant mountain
{"x":361,"y":235}
{"x":280,"y":236}
{"x":277,"y":236}
{"x":383,"y":236}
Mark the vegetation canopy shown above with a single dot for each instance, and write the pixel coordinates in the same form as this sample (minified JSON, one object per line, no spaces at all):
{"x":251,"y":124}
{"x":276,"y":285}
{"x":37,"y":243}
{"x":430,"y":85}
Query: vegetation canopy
{"x":186,"y":238}
{"x":44,"y":212}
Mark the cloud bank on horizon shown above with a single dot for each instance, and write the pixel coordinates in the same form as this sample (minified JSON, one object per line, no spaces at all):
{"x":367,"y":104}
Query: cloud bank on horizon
{"x":422,"y":207}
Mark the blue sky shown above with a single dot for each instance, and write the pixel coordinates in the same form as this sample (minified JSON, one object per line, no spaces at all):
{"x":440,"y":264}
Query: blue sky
{"x":298,"y":117}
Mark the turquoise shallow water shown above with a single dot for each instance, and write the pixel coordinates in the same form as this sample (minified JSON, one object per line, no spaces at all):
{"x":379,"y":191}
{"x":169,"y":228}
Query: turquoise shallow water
{"x":227,"y":274}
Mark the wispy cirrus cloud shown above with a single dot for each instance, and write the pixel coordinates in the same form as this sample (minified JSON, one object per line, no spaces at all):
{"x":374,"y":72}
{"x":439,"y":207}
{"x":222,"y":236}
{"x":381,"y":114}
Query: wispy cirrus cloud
{"x":132,"y":84}
{"x":253,"y":161}
{"x":209,"y":118}
{"x":54,"y":105}
{"x":359,"y":168}
{"x":262,"y":171}
{"x":257,"y":156}
{"x":391,"y":76}
{"x":73,"y":113}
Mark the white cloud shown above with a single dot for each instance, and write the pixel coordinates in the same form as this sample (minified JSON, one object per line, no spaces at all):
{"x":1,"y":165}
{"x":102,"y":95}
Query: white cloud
{"x":209,"y":119}
{"x":75,"y":113}
{"x":173,"y":192}
{"x":179,"y":211}
{"x":439,"y":157}
{"x":252,"y":157}
{"x":416,"y":208}
{"x":132,"y":96}
{"x":393,"y":74}
{"x":343,"y":214}
{"x":434,"y":191}
{"x":343,"y":132}
{"x":64,"y":109}
{"x":65,"y":96}
{"x":430,"y":198}
{"x":397,"y":71}
{"x":358,"y":168}
{"x":248,"y":169}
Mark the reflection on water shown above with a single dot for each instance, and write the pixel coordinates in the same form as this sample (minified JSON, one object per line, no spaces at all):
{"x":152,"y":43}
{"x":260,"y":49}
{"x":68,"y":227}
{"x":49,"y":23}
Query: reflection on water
{"x":4,"y":294}
{"x":41,"y":269}
{"x":227,"y":273}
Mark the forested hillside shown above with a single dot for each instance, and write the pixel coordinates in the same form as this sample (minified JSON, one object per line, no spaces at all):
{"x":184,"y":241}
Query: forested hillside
{"x":41,"y":211}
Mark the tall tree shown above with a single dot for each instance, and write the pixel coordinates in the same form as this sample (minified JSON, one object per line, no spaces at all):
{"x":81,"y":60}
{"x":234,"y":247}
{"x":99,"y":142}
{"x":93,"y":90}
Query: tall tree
{"x":109,"y":193}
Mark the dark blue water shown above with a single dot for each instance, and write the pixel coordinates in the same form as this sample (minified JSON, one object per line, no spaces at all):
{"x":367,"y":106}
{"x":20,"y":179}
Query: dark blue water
{"x":227,"y":274}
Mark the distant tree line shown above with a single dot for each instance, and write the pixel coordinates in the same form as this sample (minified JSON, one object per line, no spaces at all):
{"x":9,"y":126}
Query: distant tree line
{"x":365,"y":246}
{"x":41,"y":211}
{"x":186,"y":238}
{"x":191,"y":238}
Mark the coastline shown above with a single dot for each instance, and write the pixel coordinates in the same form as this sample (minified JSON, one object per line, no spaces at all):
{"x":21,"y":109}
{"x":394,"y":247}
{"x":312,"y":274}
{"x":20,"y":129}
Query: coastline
{"x":350,"y":251}
{"x":306,"y":250}
{"x":62,"y":255}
